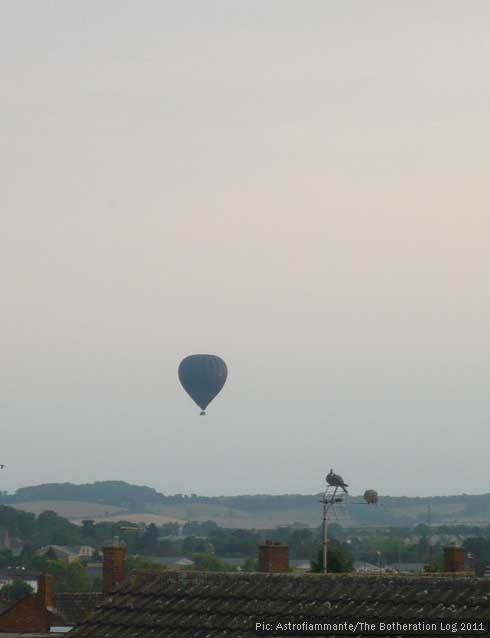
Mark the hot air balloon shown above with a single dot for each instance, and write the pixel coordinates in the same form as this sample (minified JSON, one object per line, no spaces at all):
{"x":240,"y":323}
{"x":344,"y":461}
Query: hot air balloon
{"x":202,"y":377}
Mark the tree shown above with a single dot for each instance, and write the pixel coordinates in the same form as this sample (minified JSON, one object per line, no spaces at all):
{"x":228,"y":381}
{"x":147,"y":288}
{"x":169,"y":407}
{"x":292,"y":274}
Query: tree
{"x":479,"y":547}
{"x":149,"y":540}
{"x":6,"y":558}
{"x":301,"y":543}
{"x":250,"y":565}
{"x":220,"y":540}
{"x":197,"y":528}
{"x":167,"y":548}
{"x":17,"y":523}
{"x":169,"y":529}
{"x":88,"y":530}
{"x":55,"y":530}
{"x":243,"y":542}
{"x":337,"y":560}
{"x":192,"y":545}
{"x":140,"y":562}
{"x":68,"y":577}
{"x":210,"y":563}
{"x":17,"y":590}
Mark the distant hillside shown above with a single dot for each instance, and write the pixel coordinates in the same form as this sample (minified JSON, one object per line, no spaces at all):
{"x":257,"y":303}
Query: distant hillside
{"x":116,"y":493}
{"x":244,"y":511}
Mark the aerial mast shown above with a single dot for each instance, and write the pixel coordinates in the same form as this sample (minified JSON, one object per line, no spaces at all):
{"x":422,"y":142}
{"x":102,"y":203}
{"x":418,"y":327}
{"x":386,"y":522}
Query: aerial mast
{"x":336,"y":494}
{"x":331,"y":497}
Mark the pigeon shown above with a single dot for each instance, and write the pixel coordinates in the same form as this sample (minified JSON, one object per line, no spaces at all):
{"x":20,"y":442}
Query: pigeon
{"x":336,"y":480}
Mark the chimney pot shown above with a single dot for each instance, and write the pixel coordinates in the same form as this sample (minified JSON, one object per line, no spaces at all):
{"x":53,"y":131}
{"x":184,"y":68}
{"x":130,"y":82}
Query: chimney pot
{"x":45,"y":590}
{"x":273,"y":557}
{"x":454,"y":559}
{"x":113,"y":571}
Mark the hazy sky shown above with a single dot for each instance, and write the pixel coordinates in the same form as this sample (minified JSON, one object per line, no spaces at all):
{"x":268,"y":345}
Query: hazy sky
{"x":300,"y":187}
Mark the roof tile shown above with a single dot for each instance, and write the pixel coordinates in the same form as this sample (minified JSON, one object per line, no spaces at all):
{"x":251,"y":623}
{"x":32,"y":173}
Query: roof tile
{"x":213,"y":605}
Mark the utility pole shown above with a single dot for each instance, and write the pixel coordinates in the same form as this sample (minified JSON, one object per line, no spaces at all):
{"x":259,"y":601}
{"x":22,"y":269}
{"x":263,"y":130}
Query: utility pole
{"x":332,"y":496}
{"x":429,"y":524}
{"x":324,"y":563}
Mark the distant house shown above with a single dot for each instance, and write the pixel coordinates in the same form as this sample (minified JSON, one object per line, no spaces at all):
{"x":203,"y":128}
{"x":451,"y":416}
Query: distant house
{"x":406,"y":568}
{"x":85,"y":551}
{"x":300,"y":565}
{"x":171,"y":537}
{"x":234,"y":562}
{"x":173,"y":562}
{"x":65,"y":553}
{"x":446,"y":539}
{"x":362,"y":567}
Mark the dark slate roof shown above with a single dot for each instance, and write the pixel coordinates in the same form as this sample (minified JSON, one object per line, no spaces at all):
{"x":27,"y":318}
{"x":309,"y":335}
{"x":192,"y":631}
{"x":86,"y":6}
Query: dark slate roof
{"x":74,"y":608}
{"x":215,"y":605}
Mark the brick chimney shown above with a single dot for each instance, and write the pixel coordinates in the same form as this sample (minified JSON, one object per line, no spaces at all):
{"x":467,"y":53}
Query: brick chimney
{"x":45,"y":590}
{"x":273,"y":557}
{"x":113,"y":571}
{"x":453,"y":558}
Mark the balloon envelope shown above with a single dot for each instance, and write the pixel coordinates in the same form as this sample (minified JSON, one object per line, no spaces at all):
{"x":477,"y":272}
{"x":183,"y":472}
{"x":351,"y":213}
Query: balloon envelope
{"x":202,"y":377}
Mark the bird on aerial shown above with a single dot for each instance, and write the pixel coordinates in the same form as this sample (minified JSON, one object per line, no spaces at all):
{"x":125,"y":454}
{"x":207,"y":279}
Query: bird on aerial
{"x":336,"y":480}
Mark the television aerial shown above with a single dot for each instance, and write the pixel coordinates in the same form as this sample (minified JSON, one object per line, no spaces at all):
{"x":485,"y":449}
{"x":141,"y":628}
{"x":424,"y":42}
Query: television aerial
{"x":335,"y":494}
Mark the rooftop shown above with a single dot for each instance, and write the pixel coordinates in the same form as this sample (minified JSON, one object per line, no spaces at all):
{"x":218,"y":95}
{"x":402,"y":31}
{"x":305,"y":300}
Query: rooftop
{"x":74,"y":608}
{"x":199,"y":605}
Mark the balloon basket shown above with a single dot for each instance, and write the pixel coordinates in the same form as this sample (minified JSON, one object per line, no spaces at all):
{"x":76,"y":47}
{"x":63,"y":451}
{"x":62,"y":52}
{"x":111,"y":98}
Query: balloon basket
{"x":202,"y":413}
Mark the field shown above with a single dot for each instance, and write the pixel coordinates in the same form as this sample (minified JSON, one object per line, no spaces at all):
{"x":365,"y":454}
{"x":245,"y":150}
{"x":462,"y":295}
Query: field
{"x":72,"y":509}
{"x":76,"y":511}
{"x":233,"y":517}
{"x":264,"y":512}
